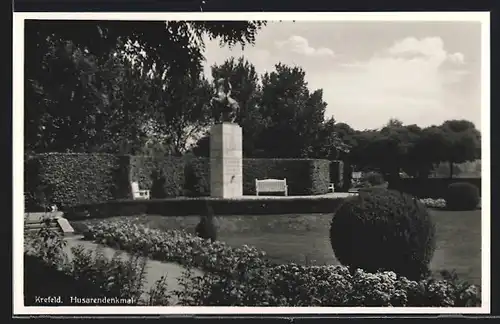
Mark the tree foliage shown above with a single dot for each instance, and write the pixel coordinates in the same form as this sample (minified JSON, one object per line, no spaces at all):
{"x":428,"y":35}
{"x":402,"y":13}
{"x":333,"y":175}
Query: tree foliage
{"x":79,"y":73}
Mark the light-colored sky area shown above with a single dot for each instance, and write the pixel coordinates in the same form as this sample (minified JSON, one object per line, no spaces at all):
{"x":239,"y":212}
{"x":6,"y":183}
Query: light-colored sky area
{"x":419,"y":72}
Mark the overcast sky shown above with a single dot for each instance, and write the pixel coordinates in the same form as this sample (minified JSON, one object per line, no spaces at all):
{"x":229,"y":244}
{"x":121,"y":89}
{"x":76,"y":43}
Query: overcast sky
{"x":419,"y":72}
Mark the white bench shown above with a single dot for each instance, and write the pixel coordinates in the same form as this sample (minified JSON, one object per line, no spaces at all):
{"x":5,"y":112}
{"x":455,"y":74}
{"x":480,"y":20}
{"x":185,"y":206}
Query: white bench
{"x":331,"y":187}
{"x":271,"y":185}
{"x":138,"y":193}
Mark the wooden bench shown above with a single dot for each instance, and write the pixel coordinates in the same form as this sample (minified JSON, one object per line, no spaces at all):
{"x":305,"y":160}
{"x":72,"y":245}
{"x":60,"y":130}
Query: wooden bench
{"x":138,"y":193}
{"x":271,"y":185}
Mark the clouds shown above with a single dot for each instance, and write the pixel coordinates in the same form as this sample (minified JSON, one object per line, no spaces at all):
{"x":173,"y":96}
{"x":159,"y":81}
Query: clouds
{"x":370,"y":73}
{"x":430,"y":49}
{"x":408,"y":80}
{"x":300,"y":45}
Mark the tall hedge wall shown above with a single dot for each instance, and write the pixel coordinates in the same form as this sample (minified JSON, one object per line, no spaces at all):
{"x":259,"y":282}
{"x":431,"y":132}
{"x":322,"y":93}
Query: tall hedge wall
{"x":164,"y":177}
{"x":197,"y":177}
{"x":337,"y":174}
{"x":73,"y":179}
{"x":304,"y":176}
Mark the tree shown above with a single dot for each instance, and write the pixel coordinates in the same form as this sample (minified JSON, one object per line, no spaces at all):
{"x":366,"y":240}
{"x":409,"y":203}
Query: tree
{"x":328,"y":143}
{"x":172,"y":46}
{"x":66,"y":88}
{"x":97,"y":104}
{"x":389,"y":150}
{"x":462,"y":142}
{"x":292,"y":115}
{"x":182,"y":111}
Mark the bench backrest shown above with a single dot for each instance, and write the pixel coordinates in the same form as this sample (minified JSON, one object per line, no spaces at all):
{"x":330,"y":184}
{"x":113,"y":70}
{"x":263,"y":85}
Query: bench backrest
{"x":135,"y":186}
{"x":271,"y":185}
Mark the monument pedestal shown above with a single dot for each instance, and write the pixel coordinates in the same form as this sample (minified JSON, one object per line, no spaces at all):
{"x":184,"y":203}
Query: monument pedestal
{"x":226,"y":161}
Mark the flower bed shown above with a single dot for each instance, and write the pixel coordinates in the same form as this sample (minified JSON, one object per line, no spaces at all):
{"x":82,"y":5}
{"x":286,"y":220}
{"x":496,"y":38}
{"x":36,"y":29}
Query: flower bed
{"x":434,"y":203}
{"x":243,"y":277}
{"x":174,"y":246}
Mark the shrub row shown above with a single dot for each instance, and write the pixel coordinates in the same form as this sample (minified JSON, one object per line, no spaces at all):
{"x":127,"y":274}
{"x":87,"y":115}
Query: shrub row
{"x":74,"y":179}
{"x":430,"y":187}
{"x":243,"y":277}
{"x":186,"y":206}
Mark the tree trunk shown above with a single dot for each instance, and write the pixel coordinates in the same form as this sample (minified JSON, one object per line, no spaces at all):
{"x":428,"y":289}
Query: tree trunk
{"x":451,"y":169}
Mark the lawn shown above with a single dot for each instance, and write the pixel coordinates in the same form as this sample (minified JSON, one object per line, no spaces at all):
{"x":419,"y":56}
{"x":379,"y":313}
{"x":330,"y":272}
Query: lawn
{"x":305,"y":238}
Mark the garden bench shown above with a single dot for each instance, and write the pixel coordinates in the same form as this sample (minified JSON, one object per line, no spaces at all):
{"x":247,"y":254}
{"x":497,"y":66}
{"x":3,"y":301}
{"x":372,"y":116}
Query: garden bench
{"x":271,"y":185}
{"x":138,"y":193}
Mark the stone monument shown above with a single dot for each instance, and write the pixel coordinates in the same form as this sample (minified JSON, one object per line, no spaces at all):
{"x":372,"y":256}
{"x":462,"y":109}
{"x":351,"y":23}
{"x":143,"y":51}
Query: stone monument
{"x":226,"y":149}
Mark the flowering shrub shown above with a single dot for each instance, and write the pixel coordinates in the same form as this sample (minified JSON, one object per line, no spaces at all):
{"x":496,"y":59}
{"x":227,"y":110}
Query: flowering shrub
{"x":243,"y":277}
{"x":433,"y":203}
{"x":175,"y":246}
{"x":296,"y":285}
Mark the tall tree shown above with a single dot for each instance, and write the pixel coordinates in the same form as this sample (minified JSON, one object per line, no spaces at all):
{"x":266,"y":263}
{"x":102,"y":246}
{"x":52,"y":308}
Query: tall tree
{"x":291,"y":113}
{"x":328,"y":143}
{"x":462,"y":142}
{"x":65,"y":85}
{"x":183,"y":111}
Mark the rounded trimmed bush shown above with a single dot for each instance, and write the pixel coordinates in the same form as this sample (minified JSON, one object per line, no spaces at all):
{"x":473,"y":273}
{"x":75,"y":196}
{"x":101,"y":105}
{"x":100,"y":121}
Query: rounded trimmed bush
{"x":384,"y":230}
{"x":462,"y":196}
{"x":206,"y":228}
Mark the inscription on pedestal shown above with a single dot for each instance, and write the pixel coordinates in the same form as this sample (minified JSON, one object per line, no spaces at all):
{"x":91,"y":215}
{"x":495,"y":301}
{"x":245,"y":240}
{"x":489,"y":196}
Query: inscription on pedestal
{"x":226,"y":165}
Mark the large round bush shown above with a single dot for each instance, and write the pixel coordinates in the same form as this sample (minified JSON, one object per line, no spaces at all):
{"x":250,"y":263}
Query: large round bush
{"x":384,"y":230}
{"x":462,"y":196}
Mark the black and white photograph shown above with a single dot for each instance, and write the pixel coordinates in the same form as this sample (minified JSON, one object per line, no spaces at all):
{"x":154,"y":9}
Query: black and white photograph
{"x":256,"y":162}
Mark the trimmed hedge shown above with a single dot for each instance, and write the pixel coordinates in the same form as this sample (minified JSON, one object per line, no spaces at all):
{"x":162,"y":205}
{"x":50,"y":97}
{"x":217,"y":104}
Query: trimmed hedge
{"x":303,"y":176}
{"x":163,"y":176}
{"x":434,"y":188}
{"x":185,"y":206}
{"x":337,"y":174}
{"x":462,"y":196}
{"x":84,"y":179}
{"x":73,"y":179}
{"x":197,"y":177}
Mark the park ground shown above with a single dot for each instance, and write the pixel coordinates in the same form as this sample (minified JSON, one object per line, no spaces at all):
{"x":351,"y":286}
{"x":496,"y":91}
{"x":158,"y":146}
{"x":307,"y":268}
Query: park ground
{"x":305,"y":238}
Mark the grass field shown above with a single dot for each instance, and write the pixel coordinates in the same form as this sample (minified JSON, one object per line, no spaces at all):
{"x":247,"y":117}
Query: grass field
{"x":305,"y":238}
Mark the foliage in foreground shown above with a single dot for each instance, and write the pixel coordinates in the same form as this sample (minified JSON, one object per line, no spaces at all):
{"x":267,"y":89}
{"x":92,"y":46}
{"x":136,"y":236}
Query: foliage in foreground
{"x":48,"y":271}
{"x":243,"y":277}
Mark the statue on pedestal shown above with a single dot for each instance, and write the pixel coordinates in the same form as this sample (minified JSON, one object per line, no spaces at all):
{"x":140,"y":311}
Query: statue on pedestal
{"x":226,"y":108}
